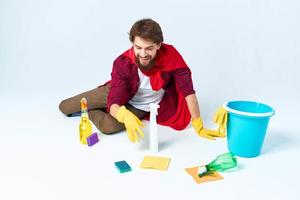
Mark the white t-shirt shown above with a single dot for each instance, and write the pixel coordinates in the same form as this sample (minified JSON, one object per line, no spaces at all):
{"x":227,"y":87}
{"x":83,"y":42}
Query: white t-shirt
{"x":145,"y":95}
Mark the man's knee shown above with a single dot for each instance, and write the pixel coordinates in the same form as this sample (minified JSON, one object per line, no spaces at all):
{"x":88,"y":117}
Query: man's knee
{"x":63,"y":107}
{"x":106,"y":131}
{"x":105,"y":122}
{"x":109,"y":128}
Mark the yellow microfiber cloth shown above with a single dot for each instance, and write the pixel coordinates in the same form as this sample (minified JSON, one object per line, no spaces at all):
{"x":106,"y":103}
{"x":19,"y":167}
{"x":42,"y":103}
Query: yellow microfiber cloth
{"x":155,"y":162}
{"x":220,"y":118}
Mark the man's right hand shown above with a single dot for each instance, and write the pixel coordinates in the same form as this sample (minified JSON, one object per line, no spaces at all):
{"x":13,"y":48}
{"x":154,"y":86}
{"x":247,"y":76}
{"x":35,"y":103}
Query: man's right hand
{"x":132,"y":123}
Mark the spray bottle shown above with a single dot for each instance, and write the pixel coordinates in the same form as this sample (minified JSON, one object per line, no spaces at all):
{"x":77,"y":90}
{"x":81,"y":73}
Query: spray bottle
{"x":222,"y":163}
{"x":153,"y":135}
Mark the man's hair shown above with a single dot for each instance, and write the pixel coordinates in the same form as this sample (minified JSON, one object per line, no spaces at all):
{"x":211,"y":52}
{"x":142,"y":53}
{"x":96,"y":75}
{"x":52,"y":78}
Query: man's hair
{"x":147,"y":29}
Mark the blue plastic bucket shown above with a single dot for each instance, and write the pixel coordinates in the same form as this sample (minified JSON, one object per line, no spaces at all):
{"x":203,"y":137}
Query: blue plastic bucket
{"x":247,"y":125}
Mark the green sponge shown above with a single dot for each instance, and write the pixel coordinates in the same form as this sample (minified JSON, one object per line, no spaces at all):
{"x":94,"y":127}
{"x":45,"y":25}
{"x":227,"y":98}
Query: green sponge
{"x":122,"y":166}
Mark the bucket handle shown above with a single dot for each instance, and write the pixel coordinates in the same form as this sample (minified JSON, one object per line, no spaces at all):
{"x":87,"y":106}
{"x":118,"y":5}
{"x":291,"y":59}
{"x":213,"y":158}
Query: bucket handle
{"x":267,"y":114}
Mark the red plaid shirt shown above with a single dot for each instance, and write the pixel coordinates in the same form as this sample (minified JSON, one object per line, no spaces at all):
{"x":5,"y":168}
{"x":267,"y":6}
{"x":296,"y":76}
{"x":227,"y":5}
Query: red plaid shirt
{"x":170,"y":72}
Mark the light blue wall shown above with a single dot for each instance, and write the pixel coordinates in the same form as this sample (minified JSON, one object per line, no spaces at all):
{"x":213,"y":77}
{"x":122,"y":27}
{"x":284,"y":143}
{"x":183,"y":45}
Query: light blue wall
{"x":236,"y":49}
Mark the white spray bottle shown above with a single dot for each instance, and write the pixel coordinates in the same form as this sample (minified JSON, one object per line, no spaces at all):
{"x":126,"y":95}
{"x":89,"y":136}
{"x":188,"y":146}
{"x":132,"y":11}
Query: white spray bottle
{"x":153,"y":135}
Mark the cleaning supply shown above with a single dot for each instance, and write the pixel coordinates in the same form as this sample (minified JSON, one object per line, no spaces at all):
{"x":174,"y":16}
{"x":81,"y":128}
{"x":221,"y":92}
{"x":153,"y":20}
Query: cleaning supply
{"x":246,"y":126}
{"x":132,"y":123}
{"x":201,"y":131}
{"x":156,"y":162}
{"x":153,"y":135}
{"x":122,"y":166}
{"x":85,"y":126}
{"x":193,"y":171}
{"x":92,"y":139}
{"x":221,"y":163}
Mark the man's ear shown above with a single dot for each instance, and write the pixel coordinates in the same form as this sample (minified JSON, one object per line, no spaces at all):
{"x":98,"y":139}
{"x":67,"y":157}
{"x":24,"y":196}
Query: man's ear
{"x":159,"y":45}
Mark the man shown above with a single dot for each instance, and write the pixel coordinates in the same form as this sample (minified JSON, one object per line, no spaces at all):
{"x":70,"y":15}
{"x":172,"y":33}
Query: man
{"x":149,"y":72}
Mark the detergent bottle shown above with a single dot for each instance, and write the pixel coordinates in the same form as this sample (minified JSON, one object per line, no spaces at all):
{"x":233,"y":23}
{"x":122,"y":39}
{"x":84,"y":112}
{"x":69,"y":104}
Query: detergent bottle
{"x":85,"y":126}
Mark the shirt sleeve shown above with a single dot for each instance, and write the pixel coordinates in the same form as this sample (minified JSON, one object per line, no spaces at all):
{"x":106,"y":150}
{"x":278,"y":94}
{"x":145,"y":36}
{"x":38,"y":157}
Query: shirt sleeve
{"x":183,"y":80}
{"x":118,"y":93}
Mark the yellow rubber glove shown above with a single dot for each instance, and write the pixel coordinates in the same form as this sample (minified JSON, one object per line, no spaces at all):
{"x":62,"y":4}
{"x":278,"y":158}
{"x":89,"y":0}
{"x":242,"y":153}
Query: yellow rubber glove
{"x":132,"y":123}
{"x":221,"y":119}
{"x":202,"y":132}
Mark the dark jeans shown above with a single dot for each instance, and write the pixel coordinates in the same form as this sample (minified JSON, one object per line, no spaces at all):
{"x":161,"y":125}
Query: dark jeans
{"x":97,"y":104}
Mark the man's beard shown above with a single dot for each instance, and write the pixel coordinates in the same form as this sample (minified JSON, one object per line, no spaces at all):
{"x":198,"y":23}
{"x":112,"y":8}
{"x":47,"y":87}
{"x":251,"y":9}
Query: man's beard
{"x":145,"y":67}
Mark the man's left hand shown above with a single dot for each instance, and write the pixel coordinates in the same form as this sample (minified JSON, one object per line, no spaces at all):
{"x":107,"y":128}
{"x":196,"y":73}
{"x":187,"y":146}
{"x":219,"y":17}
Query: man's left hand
{"x":202,"y":132}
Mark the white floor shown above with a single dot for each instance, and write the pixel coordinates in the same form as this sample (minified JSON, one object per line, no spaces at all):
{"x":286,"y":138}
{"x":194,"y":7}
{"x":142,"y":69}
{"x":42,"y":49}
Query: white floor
{"x":41,"y":158}
{"x":236,"y":50}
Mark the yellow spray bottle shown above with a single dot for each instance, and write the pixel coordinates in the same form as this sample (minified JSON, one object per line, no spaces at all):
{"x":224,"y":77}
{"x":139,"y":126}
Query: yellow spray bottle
{"x":85,"y":126}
